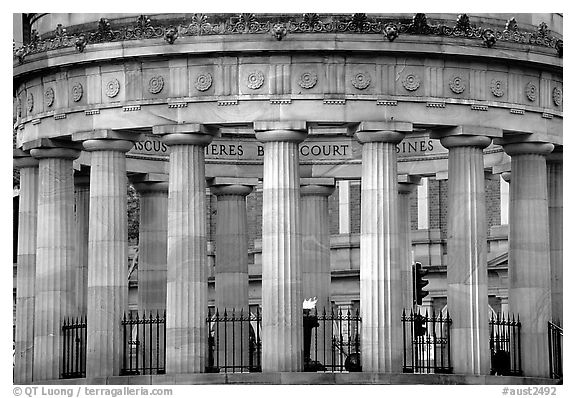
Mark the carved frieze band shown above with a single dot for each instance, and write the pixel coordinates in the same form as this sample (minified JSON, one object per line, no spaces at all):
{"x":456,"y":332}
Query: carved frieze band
{"x":359,"y":80}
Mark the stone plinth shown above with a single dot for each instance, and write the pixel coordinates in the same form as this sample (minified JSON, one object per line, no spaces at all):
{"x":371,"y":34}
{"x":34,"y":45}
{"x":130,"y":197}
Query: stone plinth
{"x":467,"y":269}
{"x":82,"y":194}
{"x":282,"y":343}
{"x":231,"y":278}
{"x":187,"y":275}
{"x":55,"y":257}
{"x":554,"y":168}
{"x":26,"y":266}
{"x":380,"y":268}
{"x":316,"y":276}
{"x":529,"y":274}
{"x":107,"y":256}
{"x":152,"y":246}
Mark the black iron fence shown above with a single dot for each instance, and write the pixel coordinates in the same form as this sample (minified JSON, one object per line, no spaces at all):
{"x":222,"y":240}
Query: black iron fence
{"x":505,"y":345}
{"x":74,"y":348}
{"x":426,"y":341}
{"x":555,"y":335}
{"x":144,"y":344}
{"x":234,"y":341}
{"x":331,"y":341}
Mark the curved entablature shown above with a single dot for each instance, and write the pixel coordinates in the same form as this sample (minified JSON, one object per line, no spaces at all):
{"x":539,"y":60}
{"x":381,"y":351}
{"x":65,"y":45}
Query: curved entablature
{"x":325,"y":87}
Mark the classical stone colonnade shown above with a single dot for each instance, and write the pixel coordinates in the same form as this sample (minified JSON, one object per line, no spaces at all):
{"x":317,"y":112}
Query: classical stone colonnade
{"x":52,"y":284}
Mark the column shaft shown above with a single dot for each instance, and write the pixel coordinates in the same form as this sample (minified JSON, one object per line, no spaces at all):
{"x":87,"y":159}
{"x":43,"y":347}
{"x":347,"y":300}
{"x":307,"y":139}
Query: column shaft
{"x":282,"y":348}
{"x":82,"y":192}
{"x":316,"y":272}
{"x":529,"y":254}
{"x":405,"y":252}
{"x":555,"y":213}
{"x":55,"y":259}
{"x":26,"y":271}
{"x":380,"y":268}
{"x":152,"y":248}
{"x":187,"y":278}
{"x":232,"y":270}
{"x":467,"y":274}
{"x":107,"y":299}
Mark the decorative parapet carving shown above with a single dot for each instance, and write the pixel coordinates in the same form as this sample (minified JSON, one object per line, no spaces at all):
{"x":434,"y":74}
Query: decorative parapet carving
{"x":203,"y":82}
{"x":112,"y":88}
{"x":279,"y":31}
{"x":391,"y":31}
{"x":411,"y":82}
{"x":489,"y":37}
{"x":361,"y":80}
{"x":255,"y":80}
{"x":308,"y":80}
{"x":463,"y":23}
{"x":212,"y":24}
{"x":156,"y":84}
{"x":171,"y":34}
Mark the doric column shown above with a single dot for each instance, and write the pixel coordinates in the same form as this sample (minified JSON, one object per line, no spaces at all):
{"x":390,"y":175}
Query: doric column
{"x":231,"y":278}
{"x":467,"y":268}
{"x":406,"y":185}
{"x":26,"y":266}
{"x":529,"y":274}
{"x":82,"y":193}
{"x":282,"y":342}
{"x":555,"y":173}
{"x":55,"y":254}
{"x":380,"y":267}
{"x":187,"y":275}
{"x":316,"y":275}
{"x":152,"y":243}
{"x":107,"y":299}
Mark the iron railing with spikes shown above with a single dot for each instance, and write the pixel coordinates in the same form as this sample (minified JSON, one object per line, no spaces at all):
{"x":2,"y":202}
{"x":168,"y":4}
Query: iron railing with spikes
{"x":505,"y":345}
{"x":74,"y":348}
{"x":555,"y":335}
{"x":426,"y":342}
{"x":234,"y":341}
{"x":331,"y":341}
{"x":144,"y":344}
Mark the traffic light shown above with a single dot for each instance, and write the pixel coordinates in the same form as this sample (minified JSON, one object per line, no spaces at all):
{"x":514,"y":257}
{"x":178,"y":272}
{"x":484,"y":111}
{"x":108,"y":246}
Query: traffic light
{"x":419,"y":325}
{"x":419,"y":283}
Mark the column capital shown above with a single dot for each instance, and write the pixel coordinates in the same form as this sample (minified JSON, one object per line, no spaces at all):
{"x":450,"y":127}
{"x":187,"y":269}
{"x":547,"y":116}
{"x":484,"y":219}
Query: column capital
{"x":231,"y":190}
{"x":407,"y":183}
{"x":52,"y":148}
{"x":392,"y":132}
{"x":23,"y":159}
{"x":286,"y":131}
{"x":525,"y":148}
{"x":454,"y":141}
{"x":106,"y":134}
{"x":317,"y":186}
{"x":557,"y":155}
{"x":466,"y":131}
{"x":151,"y":187}
{"x":186,"y":134}
{"x":506,"y":176}
{"x":150,"y":183}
